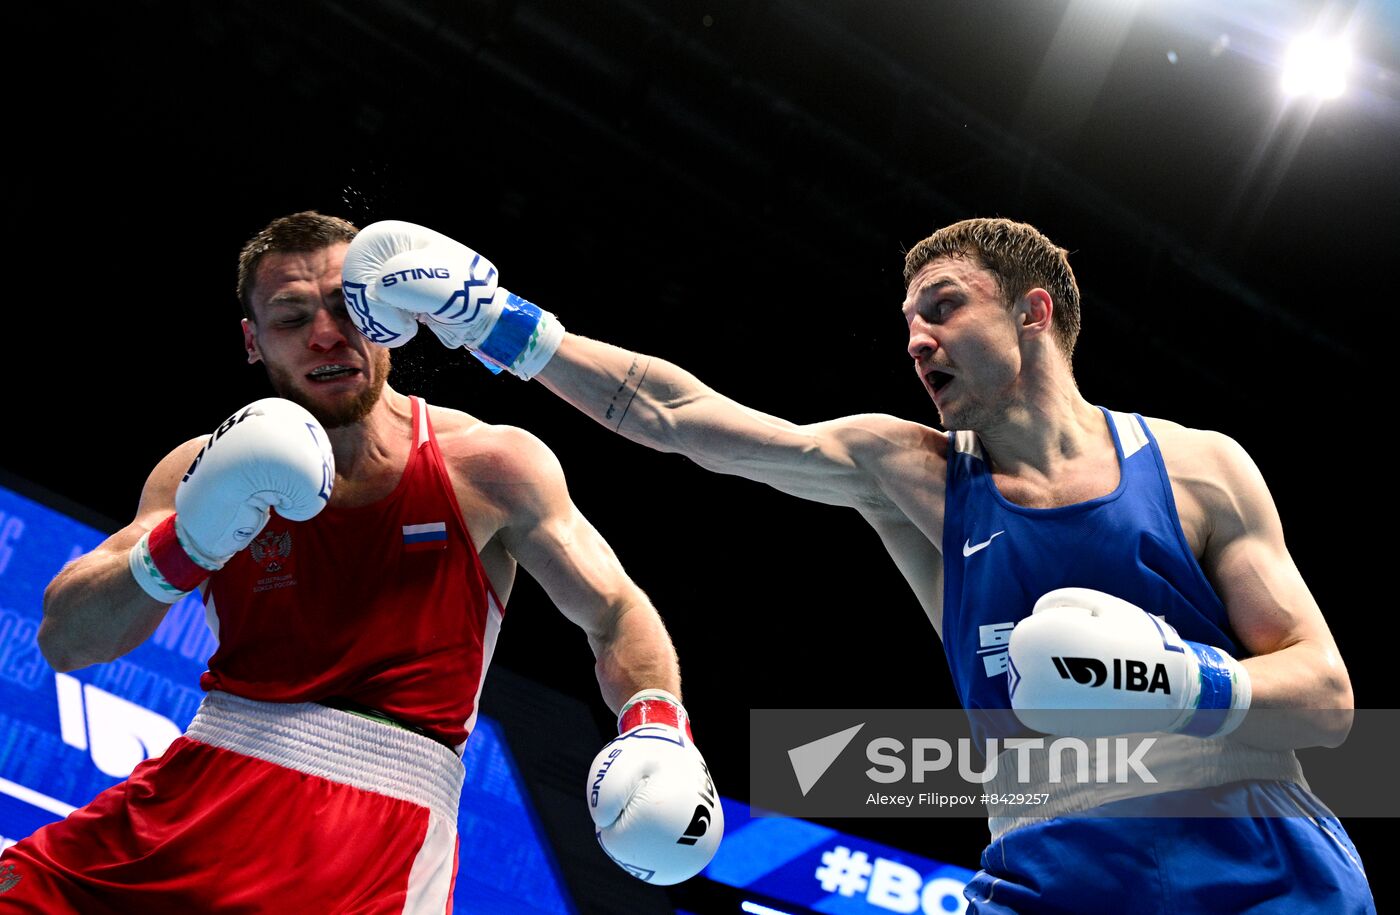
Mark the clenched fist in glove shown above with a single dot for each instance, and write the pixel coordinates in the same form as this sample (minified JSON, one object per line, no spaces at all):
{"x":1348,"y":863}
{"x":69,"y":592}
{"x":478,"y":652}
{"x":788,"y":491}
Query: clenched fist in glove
{"x":271,"y":454}
{"x":653,"y":803}
{"x":398,"y":275}
{"x":1082,"y":650}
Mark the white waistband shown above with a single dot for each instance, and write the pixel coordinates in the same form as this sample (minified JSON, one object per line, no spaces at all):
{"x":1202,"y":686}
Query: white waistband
{"x":1177,"y":761}
{"x":336,"y":745}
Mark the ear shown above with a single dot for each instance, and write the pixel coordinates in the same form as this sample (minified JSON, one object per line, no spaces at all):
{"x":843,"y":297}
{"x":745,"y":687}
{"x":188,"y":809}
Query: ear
{"x":250,"y":341}
{"x":1034,"y":312}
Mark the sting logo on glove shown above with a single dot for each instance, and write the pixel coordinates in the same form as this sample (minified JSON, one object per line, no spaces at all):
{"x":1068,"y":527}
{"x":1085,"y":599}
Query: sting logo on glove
{"x":399,"y":276}
{"x":416,"y":273}
{"x":602,"y":774}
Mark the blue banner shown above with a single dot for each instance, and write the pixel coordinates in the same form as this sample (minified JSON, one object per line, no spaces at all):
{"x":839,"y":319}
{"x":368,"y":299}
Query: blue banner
{"x":827,"y":870}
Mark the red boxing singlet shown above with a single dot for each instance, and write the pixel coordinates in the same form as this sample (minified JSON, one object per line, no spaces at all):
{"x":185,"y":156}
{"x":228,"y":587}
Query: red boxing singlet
{"x":385,"y":605}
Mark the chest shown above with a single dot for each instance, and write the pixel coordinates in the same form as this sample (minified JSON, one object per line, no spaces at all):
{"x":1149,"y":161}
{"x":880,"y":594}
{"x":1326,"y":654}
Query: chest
{"x":366,"y":488}
{"x":375,"y":484}
{"x":1081,"y":483}
{"x":1096,"y":479}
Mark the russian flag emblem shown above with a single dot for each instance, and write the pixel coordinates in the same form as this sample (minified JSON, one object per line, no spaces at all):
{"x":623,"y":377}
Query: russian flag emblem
{"x":420,"y":537}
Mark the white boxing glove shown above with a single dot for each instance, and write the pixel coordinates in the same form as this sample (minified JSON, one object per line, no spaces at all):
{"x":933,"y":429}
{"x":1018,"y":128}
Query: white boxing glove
{"x":1082,"y":649}
{"x":397,"y":275}
{"x":653,"y":803}
{"x":271,"y":454}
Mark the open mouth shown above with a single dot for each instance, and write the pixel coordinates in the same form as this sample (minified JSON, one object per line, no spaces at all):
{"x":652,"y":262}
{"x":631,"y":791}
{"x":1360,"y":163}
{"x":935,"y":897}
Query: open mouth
{"x":937,"y":380}
{"x":324,"y":373}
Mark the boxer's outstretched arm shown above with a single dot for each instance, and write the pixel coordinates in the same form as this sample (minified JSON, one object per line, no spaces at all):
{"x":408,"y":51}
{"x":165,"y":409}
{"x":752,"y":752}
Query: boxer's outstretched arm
{"x":455,"y":294}
{"x":662,"y":406}
{"x":1295,"y":663}
{"x":94,"y":611}
{"x":552,"y":540}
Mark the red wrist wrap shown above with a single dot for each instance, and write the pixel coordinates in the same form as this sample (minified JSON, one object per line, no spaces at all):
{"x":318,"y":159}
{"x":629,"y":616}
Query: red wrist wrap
{"x":171,"y":560}
{"x":655,"y":711}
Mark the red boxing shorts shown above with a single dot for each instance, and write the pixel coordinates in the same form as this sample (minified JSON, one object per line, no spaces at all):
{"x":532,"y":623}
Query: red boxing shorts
{"x":260,"y":807}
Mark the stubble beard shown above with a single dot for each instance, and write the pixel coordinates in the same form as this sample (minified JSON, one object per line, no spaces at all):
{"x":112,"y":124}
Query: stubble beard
{"x":972,"y":415}
{"x":338,"y":415}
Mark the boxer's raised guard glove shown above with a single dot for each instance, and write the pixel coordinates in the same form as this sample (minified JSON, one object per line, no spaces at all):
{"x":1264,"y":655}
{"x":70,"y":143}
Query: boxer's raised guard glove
{"x":1082,"y":650}
{"x":398,"y":275}
{"x":654,"y":805}
{"x":270,"y":454}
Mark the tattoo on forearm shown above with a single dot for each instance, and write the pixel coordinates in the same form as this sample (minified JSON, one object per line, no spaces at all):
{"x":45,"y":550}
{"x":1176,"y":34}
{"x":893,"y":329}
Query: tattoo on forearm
{"x":621,"y":389}
{"x":622,"y":399}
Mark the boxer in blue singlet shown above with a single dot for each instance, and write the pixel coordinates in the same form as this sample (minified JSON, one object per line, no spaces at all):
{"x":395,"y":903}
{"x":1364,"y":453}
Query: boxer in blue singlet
{"x":1032,"y":491}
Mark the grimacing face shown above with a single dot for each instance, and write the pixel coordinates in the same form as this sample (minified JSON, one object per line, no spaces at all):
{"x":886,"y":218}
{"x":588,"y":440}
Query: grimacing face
{"x":963,"y":340}
{"x":304,"y":337}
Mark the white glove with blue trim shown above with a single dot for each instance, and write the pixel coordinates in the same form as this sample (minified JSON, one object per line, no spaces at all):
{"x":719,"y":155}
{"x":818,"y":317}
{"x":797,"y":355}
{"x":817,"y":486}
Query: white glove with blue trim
{"x":1082,"y":650}
{"x":398,"y":275}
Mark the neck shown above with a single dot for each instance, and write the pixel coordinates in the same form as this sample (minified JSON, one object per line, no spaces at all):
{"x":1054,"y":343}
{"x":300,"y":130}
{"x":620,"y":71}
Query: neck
{"x":362,"y":447}
{"x":1048,"y":423}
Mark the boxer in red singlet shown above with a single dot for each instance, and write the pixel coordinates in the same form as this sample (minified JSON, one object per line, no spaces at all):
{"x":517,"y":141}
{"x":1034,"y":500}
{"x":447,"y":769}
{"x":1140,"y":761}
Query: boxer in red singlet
{"x":355,"y":625}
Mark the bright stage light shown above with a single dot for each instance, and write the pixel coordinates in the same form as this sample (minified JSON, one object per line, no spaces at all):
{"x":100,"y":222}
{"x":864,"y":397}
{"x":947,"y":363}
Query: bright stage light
{"x":1316,"y":66}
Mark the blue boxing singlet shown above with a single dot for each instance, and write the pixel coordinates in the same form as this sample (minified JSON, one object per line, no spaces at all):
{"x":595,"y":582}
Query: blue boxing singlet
{"x":999,"y":558}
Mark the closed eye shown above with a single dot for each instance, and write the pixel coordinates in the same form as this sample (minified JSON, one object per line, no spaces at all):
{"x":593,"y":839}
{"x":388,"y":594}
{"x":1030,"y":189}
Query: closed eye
{"x":938,"y":312}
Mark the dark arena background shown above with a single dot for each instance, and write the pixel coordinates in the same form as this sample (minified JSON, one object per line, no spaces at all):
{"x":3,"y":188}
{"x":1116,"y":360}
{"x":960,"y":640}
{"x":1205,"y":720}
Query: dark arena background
{"x":730,"y":184}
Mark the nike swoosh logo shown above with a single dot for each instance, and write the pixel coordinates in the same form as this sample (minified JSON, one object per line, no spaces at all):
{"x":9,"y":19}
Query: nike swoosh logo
{"x":969,"y":549}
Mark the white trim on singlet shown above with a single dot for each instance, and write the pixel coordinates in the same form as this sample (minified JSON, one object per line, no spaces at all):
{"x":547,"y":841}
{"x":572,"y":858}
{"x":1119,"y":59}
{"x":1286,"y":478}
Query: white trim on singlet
{"x":1131,"y":434}
{"x":211,"y":616}
{"x":965,"y":442}
{"x":488,"y":648}
{"x":334,"y":745}
{"x":421,"y":422}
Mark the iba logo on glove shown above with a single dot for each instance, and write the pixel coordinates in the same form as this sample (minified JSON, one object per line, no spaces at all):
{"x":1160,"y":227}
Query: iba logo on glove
{"x":700,"y":822}
{"x":654,"y":806}
{"x":1127,"y":674}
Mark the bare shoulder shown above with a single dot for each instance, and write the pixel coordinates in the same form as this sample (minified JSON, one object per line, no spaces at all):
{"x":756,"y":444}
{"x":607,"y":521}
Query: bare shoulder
{"x":1198,"y":451}
{"x":878,"y":437}
{"x":1173,"y":434}
{"x":907,"y":461}
{"x":497,"y":459}
{"x":901,"y":463}
{"x":1215,"y":472}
